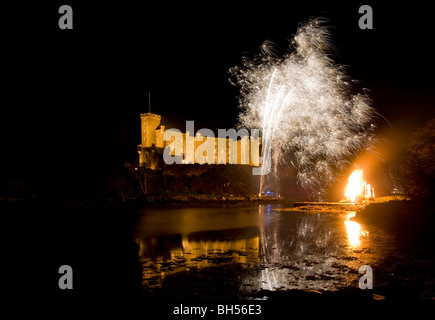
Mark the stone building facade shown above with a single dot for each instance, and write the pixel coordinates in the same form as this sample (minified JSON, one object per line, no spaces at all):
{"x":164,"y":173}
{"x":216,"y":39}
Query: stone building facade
{"x":187,"y":148}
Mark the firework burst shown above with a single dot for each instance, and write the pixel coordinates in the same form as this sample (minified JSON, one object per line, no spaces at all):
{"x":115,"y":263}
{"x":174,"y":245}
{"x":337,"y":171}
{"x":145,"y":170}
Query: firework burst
{"x":304,"y":106}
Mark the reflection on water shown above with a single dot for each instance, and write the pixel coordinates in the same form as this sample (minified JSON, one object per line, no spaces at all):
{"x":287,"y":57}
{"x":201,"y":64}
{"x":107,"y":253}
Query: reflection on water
{"x":278,"y":250}
{"x":190,"y":254}
{"x":309,"y":251}
{"x":354,"y":231}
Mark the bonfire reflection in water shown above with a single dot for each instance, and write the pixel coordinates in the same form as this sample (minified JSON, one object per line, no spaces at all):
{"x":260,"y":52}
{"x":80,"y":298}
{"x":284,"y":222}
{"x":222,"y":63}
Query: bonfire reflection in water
{"x":354,"y":231}
{"x":310,"y":257}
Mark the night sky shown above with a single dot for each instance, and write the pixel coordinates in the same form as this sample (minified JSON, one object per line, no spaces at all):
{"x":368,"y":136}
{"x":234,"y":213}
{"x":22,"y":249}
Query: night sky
{"x":73,"y":97}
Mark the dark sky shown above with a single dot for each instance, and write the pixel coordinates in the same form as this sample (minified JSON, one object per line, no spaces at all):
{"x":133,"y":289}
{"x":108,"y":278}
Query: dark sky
{"x":73,"y":97}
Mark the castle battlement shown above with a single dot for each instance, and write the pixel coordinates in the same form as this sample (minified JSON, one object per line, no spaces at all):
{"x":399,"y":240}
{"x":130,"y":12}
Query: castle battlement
{"x":152,"y":115}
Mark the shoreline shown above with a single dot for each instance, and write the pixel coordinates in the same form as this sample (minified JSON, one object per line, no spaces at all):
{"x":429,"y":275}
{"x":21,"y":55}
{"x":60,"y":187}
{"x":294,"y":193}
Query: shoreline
{"x":220,"y":200}
{"x":183,"y":200}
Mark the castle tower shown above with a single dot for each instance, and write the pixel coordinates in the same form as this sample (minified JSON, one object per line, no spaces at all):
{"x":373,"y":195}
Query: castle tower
{"x":149,"y":124}
{"x":148,"y":147}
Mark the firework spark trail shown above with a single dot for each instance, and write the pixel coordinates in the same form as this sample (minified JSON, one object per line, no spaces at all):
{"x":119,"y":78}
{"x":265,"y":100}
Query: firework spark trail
{"x":303,"y":104}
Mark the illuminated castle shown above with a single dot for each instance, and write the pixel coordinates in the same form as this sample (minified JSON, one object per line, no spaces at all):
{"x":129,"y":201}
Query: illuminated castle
{"x":185,"y":148}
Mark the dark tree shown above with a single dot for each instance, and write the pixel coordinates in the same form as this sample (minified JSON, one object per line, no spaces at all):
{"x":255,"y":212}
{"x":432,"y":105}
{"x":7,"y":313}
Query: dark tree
{"x":417,"y":168}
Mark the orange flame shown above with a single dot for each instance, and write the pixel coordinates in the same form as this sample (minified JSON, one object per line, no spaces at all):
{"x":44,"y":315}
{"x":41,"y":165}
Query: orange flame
{"x":354,"y":185}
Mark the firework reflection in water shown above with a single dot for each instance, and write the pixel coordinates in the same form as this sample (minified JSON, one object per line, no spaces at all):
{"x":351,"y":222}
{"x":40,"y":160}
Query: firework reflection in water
{"x":303,"y":105}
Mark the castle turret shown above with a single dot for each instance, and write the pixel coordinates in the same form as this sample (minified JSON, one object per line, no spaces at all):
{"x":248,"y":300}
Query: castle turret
{"x":148,"y":147}
{"x":149,"y":123}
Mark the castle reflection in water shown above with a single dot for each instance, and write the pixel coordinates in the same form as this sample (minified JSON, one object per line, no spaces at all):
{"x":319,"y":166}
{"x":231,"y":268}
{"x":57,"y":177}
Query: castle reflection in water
{"x":278,"y":250}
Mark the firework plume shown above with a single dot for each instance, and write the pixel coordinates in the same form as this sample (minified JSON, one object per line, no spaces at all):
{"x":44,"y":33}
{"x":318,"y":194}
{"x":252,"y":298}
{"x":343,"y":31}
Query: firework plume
{"x":304,"y":106}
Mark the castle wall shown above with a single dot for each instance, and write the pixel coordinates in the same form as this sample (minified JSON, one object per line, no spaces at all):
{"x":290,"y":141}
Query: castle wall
{"x":192,"y":149}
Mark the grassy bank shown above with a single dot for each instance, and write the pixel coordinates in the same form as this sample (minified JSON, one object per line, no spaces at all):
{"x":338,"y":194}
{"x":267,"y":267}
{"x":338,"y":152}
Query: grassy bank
{"x":410,"y":220}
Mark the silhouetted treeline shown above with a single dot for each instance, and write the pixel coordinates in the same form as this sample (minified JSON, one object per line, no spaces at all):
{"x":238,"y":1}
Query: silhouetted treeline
{"x":414,"y":170}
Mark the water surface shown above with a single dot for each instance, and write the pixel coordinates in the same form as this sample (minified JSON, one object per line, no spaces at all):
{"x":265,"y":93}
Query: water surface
{"x":242,"y":250}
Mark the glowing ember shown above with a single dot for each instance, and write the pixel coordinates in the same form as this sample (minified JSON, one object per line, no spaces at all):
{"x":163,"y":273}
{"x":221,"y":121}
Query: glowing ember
{"x":357,"y":188}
